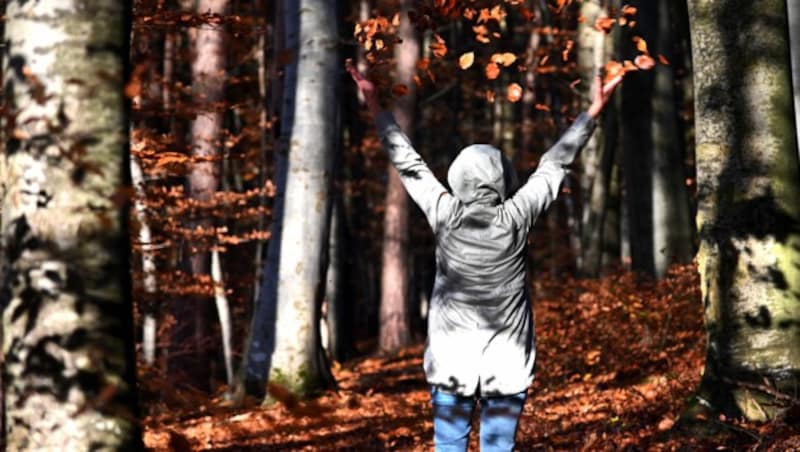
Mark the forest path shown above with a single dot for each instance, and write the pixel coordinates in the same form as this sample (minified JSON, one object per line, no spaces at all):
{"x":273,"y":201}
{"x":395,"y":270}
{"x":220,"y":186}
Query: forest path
{"x":616,"y":362}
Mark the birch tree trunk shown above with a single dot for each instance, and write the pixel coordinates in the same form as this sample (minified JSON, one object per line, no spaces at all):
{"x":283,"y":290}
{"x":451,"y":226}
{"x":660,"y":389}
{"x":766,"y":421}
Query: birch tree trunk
{"x":394,"y":313}
{"x":748,"y":214}
{"x":286,"y":333}
{"x":655,"y":183}
{"x":67,"y":327}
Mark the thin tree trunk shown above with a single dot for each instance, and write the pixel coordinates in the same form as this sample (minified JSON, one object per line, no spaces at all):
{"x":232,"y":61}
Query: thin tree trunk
{"x":654,"y":178}
{"x":394,"y":313}
{"x":67,"y":327}
{"x":748,"y":215}
{"x":208,"y":83}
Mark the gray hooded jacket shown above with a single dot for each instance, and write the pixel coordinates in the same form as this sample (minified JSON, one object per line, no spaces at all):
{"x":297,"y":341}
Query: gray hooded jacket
{"x":480,"y":325}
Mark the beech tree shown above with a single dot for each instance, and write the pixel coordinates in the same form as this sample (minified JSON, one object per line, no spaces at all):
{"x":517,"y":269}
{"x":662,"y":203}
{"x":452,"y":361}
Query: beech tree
{"x":286,"y":336}
{"x":748,"y":215}
{"x":67,"y":331}
{"x":395,"y":331}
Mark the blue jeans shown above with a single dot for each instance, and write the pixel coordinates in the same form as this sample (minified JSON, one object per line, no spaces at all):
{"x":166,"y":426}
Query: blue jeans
{"x":452,"y":415}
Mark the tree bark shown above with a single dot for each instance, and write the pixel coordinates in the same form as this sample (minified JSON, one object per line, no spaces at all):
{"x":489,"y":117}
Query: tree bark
{"x":748,"y":215}
{"x":286,"y":332}
{"x":793,"y":11}
{"x":394,"y":313}
{"x":67,"y":326}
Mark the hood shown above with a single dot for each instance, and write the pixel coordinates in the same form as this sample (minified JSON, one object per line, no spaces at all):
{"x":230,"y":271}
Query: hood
{"x":481,"y":173}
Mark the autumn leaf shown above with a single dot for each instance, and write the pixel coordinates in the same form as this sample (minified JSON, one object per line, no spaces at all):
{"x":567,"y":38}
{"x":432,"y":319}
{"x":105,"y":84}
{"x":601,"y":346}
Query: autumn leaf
{"x":628,"y":10}
{"x":514,"y":92}
{"x":396,"y":20}
{"x":644,"y":62}
{"x":399,"y":90}
{"x":628,"y":66}
{"x":663,"y":60}
{"x":439,"y":47}
{"x":604,"y":24}
{"x":490,"y":95}
{"x":641,"y":44}
{"x":469,"y":13}
{"x":465,"y":61}
{"x":505,"y":59}
{"x":492,"y":71}
{"x":541,"y":107}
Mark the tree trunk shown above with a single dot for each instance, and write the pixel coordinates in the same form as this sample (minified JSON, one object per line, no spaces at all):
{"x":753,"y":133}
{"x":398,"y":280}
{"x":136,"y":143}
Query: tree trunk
{"x":394,"y":314}
{"x":793,"y":11}
{"x":655,"y":182}
{"x":748,"y":215}
{"x":286,"y":332}
{"x":67,"y":327}
{"x":208,"y":84}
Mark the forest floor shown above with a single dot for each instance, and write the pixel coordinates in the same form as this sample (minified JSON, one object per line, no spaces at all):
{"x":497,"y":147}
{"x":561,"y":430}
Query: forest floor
{"x":617,"y":361}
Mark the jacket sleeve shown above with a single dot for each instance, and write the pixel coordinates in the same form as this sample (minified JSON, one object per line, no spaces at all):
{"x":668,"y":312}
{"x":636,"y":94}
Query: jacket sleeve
{"x":423,"y":187}
{"x":542,"y":187}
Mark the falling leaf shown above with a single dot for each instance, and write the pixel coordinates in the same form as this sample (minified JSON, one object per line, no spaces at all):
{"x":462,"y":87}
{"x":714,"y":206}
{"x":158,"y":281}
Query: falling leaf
{"x":644,"y":62}
{"x":604,"y":24}
{"x":439,"y":47}
{"x":465,"y":61}
{"x":399,"y":90}
{"x":506,"y":59}
{"x":641,"y":44}
{"x":541,"y":107}
{"x":514,"y":92}
{"x":663,"y":60}
{"x":492,"y":71}
{"x":628,"y":10}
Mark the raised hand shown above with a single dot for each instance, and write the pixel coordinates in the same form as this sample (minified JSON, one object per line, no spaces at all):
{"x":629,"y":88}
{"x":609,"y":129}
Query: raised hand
{"x":602,"y":93}
{"x":366,"y":86}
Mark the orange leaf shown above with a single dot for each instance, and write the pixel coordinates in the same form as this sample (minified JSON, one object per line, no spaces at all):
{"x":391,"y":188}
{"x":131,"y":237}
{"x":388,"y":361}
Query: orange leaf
{"x":541,"y":107}
{"x":613,"y":70}
{"x":514,"y":92}
{"x":644,"y":62}
{"x":399,"y":90}
{"x":439,"y":48}
{"x":466,"y":60}
{"x":469,"y":13}
{"x":492,"y":71}
{"x":506,"y":59}
{"x":628,"y":10}
{"x":641,"y":44}
{"x":604,"y":24}
{"x":662,"y":59}
{"x":490,"y":95}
